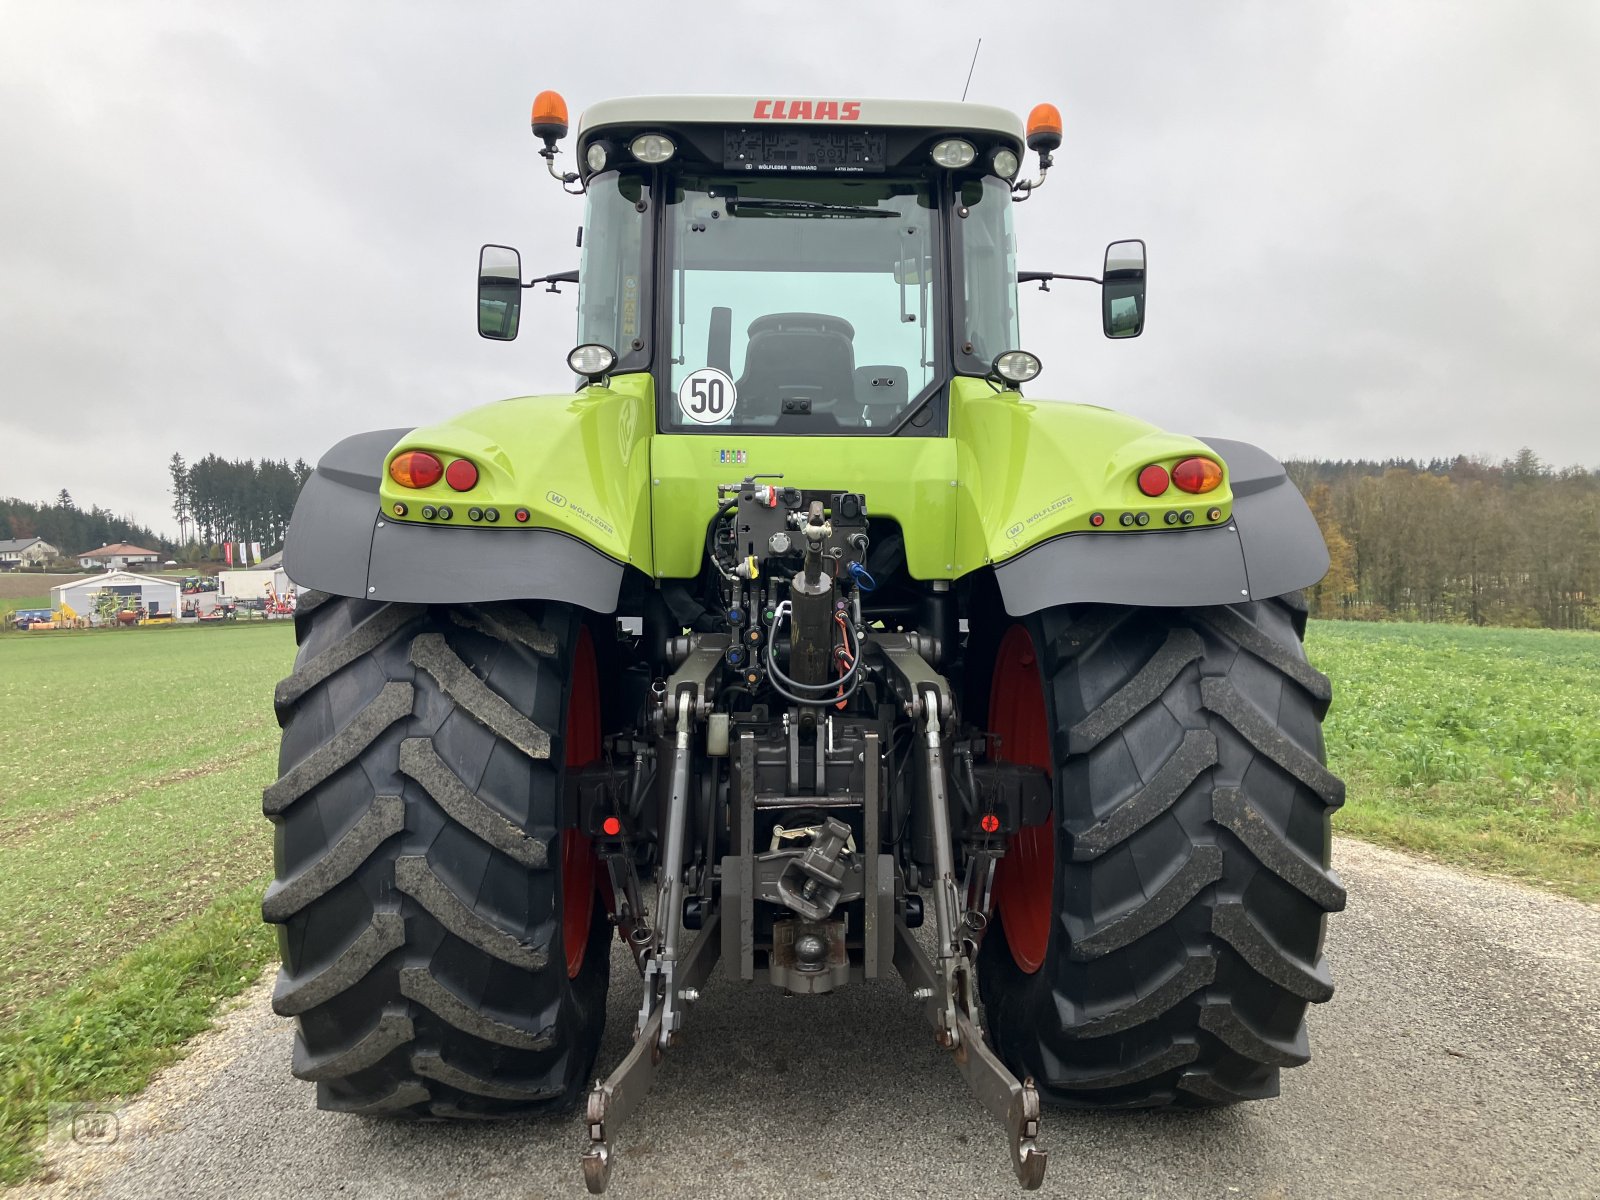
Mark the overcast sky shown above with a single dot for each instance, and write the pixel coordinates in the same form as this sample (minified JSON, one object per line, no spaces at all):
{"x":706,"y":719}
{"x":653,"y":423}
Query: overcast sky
{"x":252,"y":229}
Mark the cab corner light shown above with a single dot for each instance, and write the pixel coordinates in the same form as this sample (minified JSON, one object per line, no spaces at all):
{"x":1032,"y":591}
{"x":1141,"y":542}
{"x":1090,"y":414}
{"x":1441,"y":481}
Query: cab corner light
{"x":1017,"y":366}
{"x":652,"y":148}
{"x":592,"y":360}
{"x":954,"y":153}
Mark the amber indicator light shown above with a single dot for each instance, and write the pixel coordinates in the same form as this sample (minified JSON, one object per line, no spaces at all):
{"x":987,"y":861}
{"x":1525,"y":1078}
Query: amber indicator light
{"x":416,"y":469}
{"x":1197,"y":476}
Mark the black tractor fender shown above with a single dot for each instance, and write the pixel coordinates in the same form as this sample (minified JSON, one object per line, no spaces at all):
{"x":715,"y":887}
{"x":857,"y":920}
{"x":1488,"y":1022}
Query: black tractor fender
{"x":340,"y":542}
{"x":1270,"y":546}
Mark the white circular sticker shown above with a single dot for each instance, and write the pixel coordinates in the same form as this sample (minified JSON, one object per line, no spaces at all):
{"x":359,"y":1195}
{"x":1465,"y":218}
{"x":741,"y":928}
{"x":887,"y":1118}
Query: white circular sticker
{"x":707,"y":396}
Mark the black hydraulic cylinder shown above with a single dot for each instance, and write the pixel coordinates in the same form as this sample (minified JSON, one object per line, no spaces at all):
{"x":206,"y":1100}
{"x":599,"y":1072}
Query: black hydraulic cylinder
{"x":811,"y":599}
{"x":811,"y":638}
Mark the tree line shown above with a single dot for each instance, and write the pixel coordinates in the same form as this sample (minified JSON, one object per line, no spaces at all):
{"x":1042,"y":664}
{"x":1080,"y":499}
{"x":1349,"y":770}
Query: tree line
{"x":73,"y":530}
{"x":218,"y":500}
{"x":1514,"y":542}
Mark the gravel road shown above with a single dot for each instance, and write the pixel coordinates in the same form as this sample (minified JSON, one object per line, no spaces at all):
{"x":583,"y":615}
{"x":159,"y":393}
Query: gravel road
{"x":1460,"y":1056}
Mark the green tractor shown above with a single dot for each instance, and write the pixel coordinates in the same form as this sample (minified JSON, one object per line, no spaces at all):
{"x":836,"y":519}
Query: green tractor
{"x":799,"y":639}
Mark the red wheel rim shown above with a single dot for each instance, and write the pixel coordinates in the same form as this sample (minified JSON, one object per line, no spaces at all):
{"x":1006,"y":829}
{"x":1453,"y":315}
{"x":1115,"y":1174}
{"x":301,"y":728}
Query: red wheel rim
{"x":577,"y":852}
{"x":1024,"y":880}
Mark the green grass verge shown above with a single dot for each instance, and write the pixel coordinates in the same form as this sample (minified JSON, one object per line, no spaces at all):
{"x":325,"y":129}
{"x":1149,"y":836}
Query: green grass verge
{"x":107,"y":1035}
{"x":131,"y":769}
{"x":1479,"y":747}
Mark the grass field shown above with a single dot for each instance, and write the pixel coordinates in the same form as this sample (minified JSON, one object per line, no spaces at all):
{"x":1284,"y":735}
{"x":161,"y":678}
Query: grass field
{"x":131,"y":769}
{"x":132,"y":763}
{"x":1475,"y":746}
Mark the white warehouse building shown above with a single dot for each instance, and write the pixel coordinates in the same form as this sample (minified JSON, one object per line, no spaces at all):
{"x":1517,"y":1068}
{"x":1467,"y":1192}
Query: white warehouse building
{"x":157,"y":596}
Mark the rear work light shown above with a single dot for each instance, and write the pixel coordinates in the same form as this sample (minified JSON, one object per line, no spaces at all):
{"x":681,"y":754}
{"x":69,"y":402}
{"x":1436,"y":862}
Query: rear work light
{"x":461,"y":475}
{"x":416,"y":469}
{"x":1153,"y":480}
{"x":1197,"y":476}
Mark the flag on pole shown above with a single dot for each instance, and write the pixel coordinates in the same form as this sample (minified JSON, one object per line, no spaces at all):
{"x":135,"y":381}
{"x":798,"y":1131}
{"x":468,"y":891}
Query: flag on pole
{"x":255,"y":551}
{"x":227,"y":552}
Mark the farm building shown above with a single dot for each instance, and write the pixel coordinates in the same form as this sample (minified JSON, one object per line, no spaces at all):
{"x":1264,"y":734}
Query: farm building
{"x":252,"y":585}
{"x":158,"y":596}
{"x":118,"y":556}
{"x":25,"y":552}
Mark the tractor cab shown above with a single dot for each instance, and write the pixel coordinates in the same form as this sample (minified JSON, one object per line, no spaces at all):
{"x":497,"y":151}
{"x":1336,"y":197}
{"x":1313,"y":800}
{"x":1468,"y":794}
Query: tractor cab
{"x":797,"y":266}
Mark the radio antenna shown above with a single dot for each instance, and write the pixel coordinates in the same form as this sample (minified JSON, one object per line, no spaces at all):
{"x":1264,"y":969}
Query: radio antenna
{"x":975,"y":50}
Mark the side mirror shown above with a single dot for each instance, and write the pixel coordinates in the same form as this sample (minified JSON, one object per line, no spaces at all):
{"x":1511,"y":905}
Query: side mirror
{"x":1122,"y":290}
{"x":499,"y":292}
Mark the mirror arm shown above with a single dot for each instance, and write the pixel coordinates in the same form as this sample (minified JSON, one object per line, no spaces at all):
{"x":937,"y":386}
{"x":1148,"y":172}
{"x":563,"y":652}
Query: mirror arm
{"x":1043,"y":278}
{"x":552,"y":280}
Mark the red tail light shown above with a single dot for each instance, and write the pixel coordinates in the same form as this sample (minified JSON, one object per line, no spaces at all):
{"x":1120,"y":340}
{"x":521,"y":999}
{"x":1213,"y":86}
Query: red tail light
{"x":1153,"y":480}
{"x":1197,"y":476}
{"x":461,"y":475}
{"x":416,"y":469}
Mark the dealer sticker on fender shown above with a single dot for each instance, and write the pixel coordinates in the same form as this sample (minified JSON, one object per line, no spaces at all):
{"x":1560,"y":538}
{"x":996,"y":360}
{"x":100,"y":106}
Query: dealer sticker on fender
{"x":707,"y":396}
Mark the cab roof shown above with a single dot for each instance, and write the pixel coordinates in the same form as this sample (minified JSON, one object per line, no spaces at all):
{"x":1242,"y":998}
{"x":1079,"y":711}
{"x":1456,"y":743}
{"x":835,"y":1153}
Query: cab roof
{"x":640,"y":112}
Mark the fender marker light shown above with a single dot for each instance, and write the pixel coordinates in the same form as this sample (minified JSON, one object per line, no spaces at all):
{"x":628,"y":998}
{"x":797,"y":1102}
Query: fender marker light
{"x":461,"y":475}
{"x":1197,"y":476}
{"x":416,"y":469}
{"x":1153,"y":480}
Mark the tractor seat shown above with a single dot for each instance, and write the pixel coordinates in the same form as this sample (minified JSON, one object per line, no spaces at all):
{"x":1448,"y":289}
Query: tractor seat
{"x":797,"y":356}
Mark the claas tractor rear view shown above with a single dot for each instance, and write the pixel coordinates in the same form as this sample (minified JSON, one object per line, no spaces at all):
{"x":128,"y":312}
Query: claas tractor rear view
{"x":798,"y":640}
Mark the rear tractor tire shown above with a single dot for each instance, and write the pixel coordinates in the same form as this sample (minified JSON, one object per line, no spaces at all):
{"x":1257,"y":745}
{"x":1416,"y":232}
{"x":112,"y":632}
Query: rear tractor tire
{"x":444,"y":948}
{"x":1158,"y":941}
